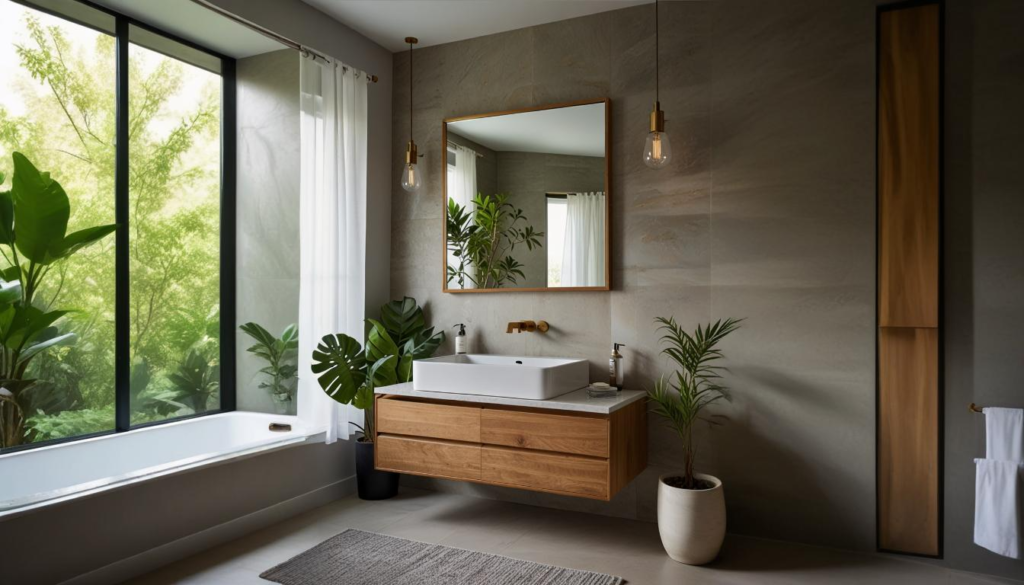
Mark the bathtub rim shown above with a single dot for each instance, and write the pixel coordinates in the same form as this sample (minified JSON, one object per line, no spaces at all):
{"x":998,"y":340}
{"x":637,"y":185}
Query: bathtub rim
{"x":304,"y":436}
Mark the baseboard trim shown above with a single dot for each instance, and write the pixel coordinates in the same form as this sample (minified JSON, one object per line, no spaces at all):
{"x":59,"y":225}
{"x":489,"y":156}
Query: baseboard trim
{"x":192,"y":544}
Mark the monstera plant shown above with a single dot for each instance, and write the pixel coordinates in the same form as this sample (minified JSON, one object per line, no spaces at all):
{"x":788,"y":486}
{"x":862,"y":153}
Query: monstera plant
{"x":348,"y":372}
{"x":34,"y":238}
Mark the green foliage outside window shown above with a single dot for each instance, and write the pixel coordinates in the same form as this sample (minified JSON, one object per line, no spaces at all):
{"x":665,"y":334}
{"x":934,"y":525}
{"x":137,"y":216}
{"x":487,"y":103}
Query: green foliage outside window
{"x":66,"y":79}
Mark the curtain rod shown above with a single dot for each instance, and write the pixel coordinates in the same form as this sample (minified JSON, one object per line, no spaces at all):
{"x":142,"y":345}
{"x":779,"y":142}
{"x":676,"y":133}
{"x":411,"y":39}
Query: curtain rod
{"x":450,"y":143}
{"x":266,"y":32}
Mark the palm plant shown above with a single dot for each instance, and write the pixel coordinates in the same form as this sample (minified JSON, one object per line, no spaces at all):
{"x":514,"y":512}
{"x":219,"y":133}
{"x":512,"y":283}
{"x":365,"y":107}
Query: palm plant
{"x":349,"y":373}
{"x":483,"y":240}
{"x":279,"y":353}
{"x":682,"y":397}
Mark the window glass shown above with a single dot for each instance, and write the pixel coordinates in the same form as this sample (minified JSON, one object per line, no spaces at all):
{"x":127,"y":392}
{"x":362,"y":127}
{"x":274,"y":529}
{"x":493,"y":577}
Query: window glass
{"x":555,"y":238}
{"x":174,"y":201}
{"x":57,"y":109}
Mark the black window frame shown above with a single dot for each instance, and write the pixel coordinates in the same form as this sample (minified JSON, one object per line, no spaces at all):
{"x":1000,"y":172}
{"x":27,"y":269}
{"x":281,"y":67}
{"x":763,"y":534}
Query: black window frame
{"x":122,"y":313}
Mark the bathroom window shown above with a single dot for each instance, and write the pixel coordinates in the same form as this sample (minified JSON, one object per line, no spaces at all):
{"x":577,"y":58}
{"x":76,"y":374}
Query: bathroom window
{"x":138,"y":325}
{"x":555,"y":237}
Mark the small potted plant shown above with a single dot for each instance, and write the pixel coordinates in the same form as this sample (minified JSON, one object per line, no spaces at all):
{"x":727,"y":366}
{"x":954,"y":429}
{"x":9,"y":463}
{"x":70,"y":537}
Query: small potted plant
{"x":348,"y":373}
{"x":691,"y":506}
{"x":279,"y":353}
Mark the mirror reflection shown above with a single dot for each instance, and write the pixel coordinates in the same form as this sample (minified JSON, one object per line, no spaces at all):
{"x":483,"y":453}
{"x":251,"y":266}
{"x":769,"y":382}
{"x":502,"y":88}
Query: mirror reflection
{"x":527,"y":201}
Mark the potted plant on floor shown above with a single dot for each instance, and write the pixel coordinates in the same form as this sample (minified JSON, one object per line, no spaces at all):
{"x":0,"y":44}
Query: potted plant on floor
{"x":691,"y":506}
{"x":349,"y":373}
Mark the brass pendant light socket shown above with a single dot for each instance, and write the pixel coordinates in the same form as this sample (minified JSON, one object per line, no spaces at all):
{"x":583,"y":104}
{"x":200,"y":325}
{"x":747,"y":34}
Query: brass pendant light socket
{"x":410,"y":153}
{"x":657,"y":118}
{"x":411,"y":40}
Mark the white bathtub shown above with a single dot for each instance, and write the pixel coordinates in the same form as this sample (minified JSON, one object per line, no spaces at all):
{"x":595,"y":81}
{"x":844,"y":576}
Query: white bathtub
{"x":46,"y":475}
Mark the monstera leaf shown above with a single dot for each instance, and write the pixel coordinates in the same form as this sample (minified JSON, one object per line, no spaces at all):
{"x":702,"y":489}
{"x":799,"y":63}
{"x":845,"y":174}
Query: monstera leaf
{"x":404,"y":322}
{"x":402,"y":319}
{"x":380,"y":345}
{"x":339,"y":362}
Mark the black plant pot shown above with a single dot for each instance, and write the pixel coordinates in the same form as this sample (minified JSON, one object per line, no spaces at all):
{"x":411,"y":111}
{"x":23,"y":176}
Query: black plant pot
{"x":372,"y":484}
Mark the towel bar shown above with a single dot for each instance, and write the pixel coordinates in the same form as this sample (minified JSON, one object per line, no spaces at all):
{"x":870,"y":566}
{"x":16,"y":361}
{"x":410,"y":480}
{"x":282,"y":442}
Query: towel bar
{"x":975,"y":408}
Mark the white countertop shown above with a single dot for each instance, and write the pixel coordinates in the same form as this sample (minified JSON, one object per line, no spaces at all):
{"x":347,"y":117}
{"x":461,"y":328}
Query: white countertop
{"x":576,"y":401}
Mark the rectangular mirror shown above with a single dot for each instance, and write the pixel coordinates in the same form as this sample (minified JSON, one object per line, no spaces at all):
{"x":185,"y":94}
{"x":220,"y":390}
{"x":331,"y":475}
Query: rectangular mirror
{"x":526,"y":199}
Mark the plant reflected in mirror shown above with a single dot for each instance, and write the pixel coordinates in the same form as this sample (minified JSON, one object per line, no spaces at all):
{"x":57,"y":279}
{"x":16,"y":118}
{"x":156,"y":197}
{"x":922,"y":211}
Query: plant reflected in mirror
{"x":481,"y":241}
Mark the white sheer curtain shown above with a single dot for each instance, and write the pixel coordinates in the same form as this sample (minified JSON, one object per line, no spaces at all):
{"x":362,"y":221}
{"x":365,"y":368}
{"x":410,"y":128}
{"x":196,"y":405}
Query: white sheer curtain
{"x":583,"y":253}
{"x":332,"y":226}
{"x":462,"y":189}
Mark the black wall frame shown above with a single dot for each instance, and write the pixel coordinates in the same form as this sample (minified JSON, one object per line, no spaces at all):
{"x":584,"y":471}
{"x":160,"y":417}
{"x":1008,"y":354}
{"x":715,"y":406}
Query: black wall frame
{"x":122,"y":367}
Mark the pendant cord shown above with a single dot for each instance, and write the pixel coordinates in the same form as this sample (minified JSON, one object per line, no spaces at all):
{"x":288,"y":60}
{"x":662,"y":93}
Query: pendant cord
{"x":410,"y":92}
{"x":657,"y":46}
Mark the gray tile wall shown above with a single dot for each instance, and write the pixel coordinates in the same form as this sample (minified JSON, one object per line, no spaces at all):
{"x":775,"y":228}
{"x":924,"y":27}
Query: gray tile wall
{"x":766,"y":212}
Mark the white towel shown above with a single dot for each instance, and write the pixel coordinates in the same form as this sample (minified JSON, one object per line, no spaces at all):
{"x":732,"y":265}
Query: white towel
{"x":997,"y":506}
{"x":1004,"y":434}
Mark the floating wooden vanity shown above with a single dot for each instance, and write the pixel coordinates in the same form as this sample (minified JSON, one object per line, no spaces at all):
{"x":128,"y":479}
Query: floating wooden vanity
{"x":570,"y":445}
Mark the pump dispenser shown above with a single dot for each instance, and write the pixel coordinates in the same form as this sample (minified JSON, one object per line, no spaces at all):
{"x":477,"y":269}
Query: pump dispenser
{"x":615,"y":366}
{"x":461,"y":340}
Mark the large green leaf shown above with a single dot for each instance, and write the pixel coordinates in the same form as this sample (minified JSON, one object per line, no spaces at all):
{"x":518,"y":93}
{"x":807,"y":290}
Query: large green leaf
{"x":259,"y":333}
{"x":42,"y":210}
{"x":33,"y":349}
{"x":404,"y":370}
{"x":403,"y":319}
{"x":10,"y":292}
{"x":379,"y":343}
{"x":290,"y":336}
{"x":77,"y":240}
{"x":424,"y":344}
{"x":6,"y":218}
{"x":382,"y":372}
{"x":339,"y":362}
{"x":364,"y":398}
{"x":26,"y":325}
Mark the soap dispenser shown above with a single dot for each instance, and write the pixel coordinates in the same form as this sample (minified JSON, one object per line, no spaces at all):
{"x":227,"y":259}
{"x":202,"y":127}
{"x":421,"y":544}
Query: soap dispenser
{"x":615,"y":366}
{"x":461,"y":340}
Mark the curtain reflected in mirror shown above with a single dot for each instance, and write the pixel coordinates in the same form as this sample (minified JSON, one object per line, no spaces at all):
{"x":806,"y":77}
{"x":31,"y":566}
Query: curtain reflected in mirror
{"x":526,"y":200}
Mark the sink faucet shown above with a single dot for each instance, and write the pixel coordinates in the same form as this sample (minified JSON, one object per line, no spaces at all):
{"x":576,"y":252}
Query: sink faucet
{"x":528,"y":326}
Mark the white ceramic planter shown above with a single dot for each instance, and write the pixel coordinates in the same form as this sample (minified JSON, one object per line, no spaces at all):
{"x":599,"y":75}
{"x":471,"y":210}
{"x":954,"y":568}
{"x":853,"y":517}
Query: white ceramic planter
{"x":691,"y":522}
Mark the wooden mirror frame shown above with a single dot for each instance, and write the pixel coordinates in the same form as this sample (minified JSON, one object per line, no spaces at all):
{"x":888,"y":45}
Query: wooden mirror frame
{"x":607,"y":198}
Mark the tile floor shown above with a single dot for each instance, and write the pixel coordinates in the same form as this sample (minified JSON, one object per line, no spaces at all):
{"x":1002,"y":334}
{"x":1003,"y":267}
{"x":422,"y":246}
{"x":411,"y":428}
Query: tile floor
{"x":626,"y":548}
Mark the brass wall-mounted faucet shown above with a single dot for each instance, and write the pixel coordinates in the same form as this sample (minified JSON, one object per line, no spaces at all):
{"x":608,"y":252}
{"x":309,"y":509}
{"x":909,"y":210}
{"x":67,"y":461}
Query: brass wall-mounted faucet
{"x":527,"y":326}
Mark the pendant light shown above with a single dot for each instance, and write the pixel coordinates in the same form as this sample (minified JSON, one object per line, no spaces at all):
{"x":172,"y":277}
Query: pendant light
{"x":657,"y":150}
{"x":412,"y":177}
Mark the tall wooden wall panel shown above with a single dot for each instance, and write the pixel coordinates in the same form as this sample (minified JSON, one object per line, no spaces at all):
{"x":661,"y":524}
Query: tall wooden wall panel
{"x":909,"y":199}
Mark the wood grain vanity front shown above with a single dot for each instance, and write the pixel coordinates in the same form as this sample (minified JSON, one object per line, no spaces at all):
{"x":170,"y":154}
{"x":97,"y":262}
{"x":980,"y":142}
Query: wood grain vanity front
{"x":546,"y":432}
{"x":548,"y":472}
{"x":428,"y":457}
{"x":425,"y":419}
{"x":572,"y":453}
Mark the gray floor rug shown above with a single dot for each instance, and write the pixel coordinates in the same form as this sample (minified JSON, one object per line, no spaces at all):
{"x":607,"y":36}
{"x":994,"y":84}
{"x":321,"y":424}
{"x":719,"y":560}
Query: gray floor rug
{"x":355,"y":557}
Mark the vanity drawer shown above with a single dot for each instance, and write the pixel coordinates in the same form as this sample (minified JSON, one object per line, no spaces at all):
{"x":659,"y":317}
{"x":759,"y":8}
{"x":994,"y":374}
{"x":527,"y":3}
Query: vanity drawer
{"x":425,"y":419}
{"x":545,"y":432}
{"x":427,"y":457}
{"x":550,"y":472}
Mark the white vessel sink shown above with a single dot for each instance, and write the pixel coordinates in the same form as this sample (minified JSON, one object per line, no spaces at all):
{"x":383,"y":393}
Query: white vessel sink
{"x":531,"y":378}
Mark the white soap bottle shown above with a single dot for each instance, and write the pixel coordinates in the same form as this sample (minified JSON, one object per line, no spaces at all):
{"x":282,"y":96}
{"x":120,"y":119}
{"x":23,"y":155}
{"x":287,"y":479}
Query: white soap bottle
{"x":461,"y":340}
